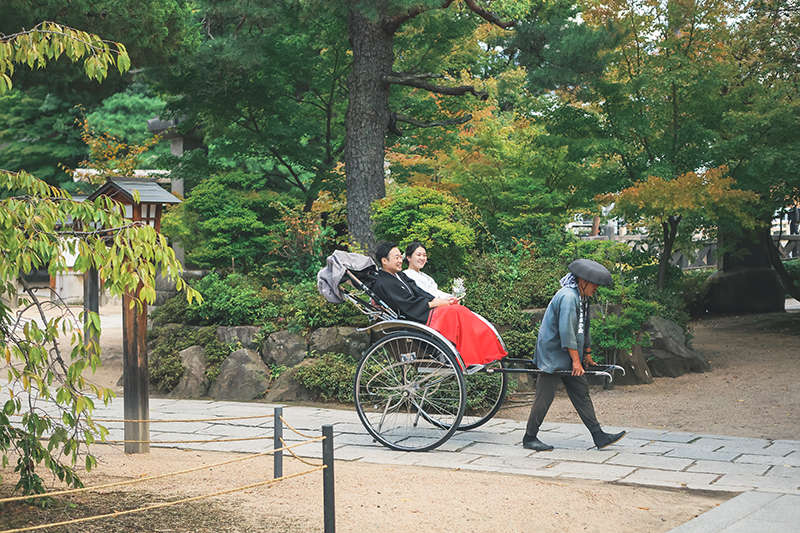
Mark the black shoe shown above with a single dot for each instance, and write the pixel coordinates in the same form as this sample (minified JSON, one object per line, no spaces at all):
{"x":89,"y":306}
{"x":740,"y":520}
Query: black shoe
{"x":532,"y":443}
{"x":603,"y":439}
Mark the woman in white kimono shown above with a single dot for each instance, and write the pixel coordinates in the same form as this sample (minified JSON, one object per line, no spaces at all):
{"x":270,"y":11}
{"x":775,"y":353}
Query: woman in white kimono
{"x":417,"y":257}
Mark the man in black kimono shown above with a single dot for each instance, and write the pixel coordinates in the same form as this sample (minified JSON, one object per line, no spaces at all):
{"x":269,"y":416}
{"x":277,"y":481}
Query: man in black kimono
{"x":476,"y":341}
{"x":400,"y":291}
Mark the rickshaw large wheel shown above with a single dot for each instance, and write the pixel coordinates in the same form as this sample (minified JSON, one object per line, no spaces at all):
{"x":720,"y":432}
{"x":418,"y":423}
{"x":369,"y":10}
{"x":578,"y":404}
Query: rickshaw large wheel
{"x":486,"y":392}
{"x":409,"y":391}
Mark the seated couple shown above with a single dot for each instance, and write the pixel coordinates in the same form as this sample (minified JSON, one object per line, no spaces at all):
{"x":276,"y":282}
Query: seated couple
{"x":471,"y":335}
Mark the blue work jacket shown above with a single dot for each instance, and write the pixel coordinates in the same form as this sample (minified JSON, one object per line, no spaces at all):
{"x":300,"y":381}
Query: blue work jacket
{"x":560,"y":329}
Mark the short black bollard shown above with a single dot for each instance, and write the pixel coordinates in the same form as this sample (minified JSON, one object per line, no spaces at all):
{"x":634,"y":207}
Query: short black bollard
{"x":329,"y":502}
{"x":278,"y":455}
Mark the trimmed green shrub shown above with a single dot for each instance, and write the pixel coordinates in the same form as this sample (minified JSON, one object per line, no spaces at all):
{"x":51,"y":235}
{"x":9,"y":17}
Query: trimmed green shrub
{"x":443,"y":223}
{"x":331,"y":376}
{"x":793,"y":268}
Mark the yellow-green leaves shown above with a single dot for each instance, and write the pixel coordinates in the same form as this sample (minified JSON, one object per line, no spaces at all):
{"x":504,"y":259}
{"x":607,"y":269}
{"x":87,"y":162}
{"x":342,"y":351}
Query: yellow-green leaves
{"x":40,"y":226}
{"x":49,"y":41}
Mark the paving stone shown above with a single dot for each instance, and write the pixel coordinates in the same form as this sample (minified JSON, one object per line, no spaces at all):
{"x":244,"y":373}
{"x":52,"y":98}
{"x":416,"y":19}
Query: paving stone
{"x":348,"y":453}
{"x":692,"y":480}
{"x":633,"y":444}
{"x":782,"y":510}
{"x":735,"y":442}
{"x":727,"y":514}
{"x":581,"y":456}
{"x":225,"y":430}
{"x":705,"y":443}
{"x":760,"y":482}
{"x":509,"y":439}
{"x":783,"y":449}
{"x":790,"y":460}
{"x":784,"y":471}
{"x":649,"y":461}
{"x":349,"y":427}
{"x":661,"y":436}
{"x":721,"y":467}
{"x":519,"y":463}
{"x":794,"y":443}
{"x":357,"y":440}
{"x":601,"y":472}
{"x":483,"y":448}
{"x":768,"y":451}
{"x":700,"y":454}
{"x":655,"y":448}
{"x":379,"y":455}
{"x":447,"y":460}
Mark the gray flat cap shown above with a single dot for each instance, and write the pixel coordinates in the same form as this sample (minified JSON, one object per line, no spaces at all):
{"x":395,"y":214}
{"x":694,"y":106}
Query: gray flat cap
{"x":591,"y":271}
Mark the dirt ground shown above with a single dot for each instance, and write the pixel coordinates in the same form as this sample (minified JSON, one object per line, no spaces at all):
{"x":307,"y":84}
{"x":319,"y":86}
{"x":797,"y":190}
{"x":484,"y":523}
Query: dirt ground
{"x":749,"y":393}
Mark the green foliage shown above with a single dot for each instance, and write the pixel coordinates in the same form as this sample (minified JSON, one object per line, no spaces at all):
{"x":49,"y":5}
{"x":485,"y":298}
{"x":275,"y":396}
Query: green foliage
{"x":793,"y":268}
{"x":231,"y":220}
{"x":280,"y":112}
{"x":33,"y":236}
{"x":241,"y":300}
{"x":124,"y":115}
{"x":39,"y":132}
{"x":438,"y":220}
{"x":330,"y":375}
{"x":521,"y":342}
{"x":166,"y":368}
{"x":499,"y":286}
{"x":229,"y":301}
{"x":47,"y":41}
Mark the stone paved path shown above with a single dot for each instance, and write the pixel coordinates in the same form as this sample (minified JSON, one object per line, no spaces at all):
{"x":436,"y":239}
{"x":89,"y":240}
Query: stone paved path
{"x":767,"y":472}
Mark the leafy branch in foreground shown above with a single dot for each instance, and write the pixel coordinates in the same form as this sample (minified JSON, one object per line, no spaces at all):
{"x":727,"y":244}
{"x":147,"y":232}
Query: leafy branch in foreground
{"x":41,"y":227}
{"x":49,"y":41}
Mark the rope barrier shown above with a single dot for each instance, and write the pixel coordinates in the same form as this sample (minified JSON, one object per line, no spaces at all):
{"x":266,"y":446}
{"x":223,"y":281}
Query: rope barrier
{"x":178,"y":441}
{"x":162,"y":505}
{"x":309,"y":463}
{"x":294,"y":430}
{"x":187,"y":420}
{"x":160,"y":476}
{"x":223,"y":419}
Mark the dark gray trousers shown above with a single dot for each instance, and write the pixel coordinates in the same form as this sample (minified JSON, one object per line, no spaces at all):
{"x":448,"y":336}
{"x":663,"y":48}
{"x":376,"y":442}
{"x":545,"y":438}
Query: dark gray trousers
{"x":578,"y":391}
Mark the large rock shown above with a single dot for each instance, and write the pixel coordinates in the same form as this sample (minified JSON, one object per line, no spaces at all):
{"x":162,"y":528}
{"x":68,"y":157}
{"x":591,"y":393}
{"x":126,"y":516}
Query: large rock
{"x":242,"y":376}
{"x":745,"y":290}
{"x":636,"y":370}
{"x":669,"y":355}
{"x":245,"y":335}
{"x":286,"y":389}
{"x":284,"y":348}
{"x":194,"y":382}
{"x":346,"y":340}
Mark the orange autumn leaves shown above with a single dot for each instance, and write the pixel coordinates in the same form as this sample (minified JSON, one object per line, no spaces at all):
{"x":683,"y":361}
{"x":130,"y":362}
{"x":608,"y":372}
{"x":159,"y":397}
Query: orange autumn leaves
{"x":703,"y":197}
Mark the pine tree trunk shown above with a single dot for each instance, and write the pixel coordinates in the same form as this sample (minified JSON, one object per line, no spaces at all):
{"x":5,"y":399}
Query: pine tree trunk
{"x":365,"y":123}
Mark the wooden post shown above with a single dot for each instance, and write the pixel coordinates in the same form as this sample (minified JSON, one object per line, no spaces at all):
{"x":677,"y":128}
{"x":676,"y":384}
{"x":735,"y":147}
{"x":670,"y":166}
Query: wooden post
{"x":91,"y":300}
{"x":136,"y":376}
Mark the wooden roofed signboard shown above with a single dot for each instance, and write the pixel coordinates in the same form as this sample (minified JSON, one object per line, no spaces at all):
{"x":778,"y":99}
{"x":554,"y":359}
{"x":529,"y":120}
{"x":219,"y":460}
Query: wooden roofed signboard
{"x":148,"y":209}
{"x":152,"y":198}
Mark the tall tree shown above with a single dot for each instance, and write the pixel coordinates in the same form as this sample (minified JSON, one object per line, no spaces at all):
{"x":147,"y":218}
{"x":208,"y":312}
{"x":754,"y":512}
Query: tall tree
{"x":267,"y":89}
{"x":372,"y":27}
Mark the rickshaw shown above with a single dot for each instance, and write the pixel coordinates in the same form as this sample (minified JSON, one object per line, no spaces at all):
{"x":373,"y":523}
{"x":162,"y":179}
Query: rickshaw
{"x":412,"y":389}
